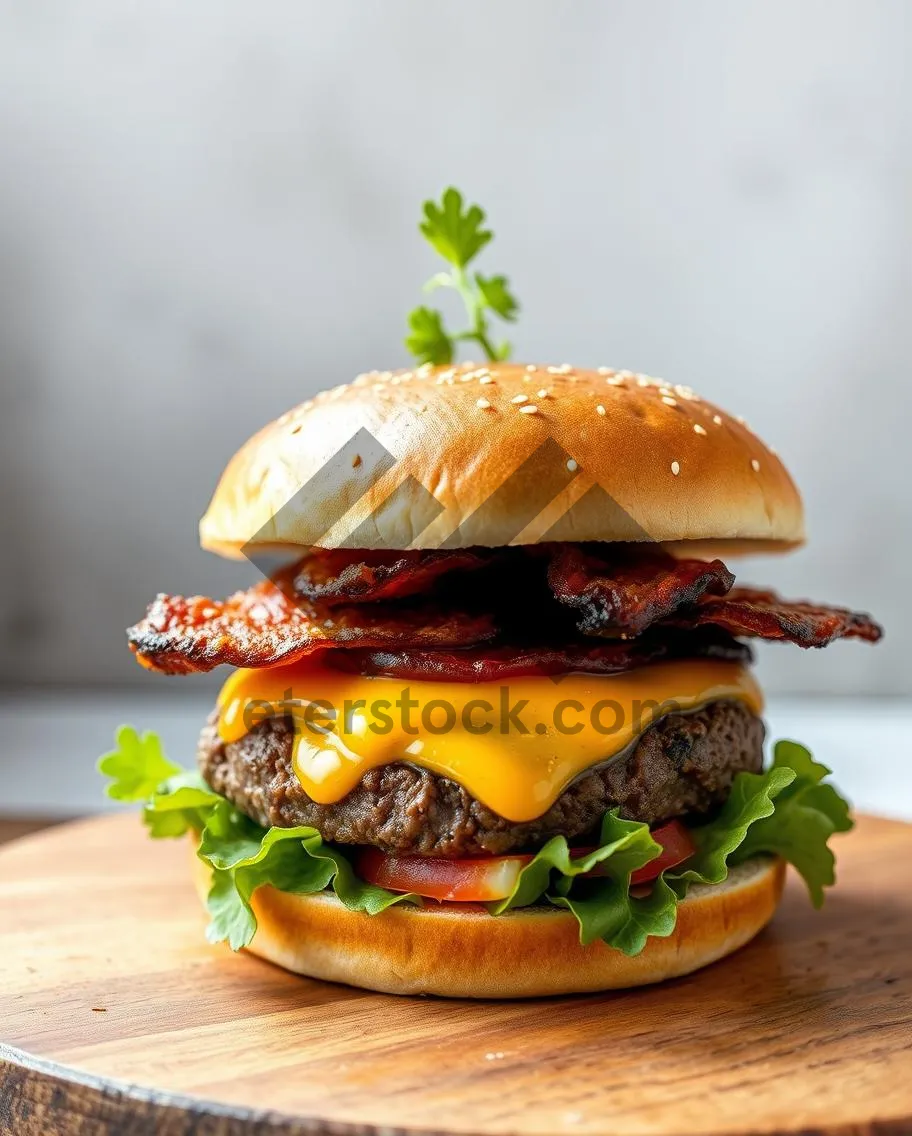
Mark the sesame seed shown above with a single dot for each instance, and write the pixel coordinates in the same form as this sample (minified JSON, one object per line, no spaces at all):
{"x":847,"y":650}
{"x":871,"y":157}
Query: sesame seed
{"x":531,"y":367}
{"x":755,"y":465}
{"x":676,"y":468}
{"x":528,"y":409}
{"x":605,"y":371}
{"x":571,"y":465}
{"x":626,"y":374}
{"x":601,"y":410}
{"x":482,"y":404}
{"x":717,"y":419}
{"x":356,"y":461}
{"x":544,"y":393}
{"x":698,"y":429}
{"x":467,"y":378}
{"x":615,"y":381}
{"x":669,"y":401}
{"x":485,"y":379}
{"x":517,"y":398}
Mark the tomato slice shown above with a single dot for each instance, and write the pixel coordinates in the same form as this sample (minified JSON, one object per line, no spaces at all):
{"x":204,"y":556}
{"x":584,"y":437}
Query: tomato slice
{"x":485,"y":878}
{"x":476,"y":880}
{"x":677,"y":846}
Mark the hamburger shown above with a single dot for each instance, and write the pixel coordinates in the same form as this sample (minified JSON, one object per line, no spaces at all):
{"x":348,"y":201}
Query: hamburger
{"x":492,"y":729}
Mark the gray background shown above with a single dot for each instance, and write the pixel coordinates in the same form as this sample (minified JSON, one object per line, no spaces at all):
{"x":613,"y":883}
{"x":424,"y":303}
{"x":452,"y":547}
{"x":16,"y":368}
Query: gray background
{"x":207,"y":212}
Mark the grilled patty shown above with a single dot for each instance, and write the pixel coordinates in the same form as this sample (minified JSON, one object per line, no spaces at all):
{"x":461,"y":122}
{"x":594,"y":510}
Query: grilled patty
{"x":682,"y":766}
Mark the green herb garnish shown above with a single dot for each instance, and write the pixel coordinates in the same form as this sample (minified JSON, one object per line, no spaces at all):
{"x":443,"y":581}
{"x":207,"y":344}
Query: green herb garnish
{"x":458,"y":235}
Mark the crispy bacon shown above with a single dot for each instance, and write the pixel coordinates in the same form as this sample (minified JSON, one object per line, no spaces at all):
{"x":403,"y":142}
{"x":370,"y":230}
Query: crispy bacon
{"x":342,"y":575}
{"x":626,"y":590}
{"x":651,"y":605}
{"x":497,"y":663}
{"x":763,"y":615}
{"x":264,"y":626}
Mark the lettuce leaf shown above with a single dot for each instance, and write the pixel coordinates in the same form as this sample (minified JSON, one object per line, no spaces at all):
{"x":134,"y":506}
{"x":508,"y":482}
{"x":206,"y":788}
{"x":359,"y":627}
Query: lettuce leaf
{"x":789,"y":811}
{"x":752,"y":799}
{"x":785,"y":811}
{"x":242,"y":855}
{"x":136,"y":765}
{"x":806,"y":815}
{"x":245,"y":856}
{"x":603,"y":906}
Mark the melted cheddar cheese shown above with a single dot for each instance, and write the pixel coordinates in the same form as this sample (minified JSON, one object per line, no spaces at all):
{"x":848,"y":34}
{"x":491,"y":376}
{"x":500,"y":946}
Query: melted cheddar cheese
{"x":518,"y":766}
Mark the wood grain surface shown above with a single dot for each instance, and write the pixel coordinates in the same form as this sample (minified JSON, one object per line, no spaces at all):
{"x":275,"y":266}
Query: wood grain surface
{"x":12,"y":828}
{"x":117,"y":1017}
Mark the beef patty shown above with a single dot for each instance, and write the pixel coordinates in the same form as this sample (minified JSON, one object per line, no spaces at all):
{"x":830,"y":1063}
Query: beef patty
{"x":682,"y":766}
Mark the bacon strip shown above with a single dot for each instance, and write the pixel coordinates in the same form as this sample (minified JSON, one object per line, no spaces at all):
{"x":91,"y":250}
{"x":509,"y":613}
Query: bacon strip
{"x":263,"y":627}
{"x":763,"y":615}
{"x":340,"y":575}
{"x":625,"y":591}
{"x":494,"y":664}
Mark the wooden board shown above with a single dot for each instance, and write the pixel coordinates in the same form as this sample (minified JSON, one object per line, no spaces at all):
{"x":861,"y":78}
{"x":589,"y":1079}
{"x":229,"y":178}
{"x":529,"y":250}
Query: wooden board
{"x":116,"y":1016}
{"x":12,"y":828}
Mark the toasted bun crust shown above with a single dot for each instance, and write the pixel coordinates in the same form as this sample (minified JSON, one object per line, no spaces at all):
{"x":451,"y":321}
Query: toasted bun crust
{"x":527,"y":953}
{"x":439,"y":462}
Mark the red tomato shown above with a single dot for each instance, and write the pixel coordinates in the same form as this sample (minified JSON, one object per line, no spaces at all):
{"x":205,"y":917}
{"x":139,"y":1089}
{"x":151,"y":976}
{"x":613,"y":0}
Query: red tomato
{"x":466,"y":881}
{"x":677,"y":846}
{"x":486,"y":878}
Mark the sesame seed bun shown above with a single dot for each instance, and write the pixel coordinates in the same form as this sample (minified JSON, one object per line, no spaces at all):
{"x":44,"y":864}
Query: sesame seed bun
{"x":526,"y":953}
{"x":503,"y":453}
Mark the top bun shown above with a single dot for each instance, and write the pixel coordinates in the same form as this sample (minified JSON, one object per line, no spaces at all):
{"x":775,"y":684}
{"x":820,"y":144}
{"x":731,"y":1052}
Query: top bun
{"x":503,"y":453}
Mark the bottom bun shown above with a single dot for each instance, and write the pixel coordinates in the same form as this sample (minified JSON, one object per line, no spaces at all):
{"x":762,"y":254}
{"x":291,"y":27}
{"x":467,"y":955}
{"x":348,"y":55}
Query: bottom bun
{"x":529,"y":952}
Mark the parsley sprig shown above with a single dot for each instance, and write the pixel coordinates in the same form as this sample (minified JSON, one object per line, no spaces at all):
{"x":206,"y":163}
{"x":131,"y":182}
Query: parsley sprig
{"x":458,"y":234}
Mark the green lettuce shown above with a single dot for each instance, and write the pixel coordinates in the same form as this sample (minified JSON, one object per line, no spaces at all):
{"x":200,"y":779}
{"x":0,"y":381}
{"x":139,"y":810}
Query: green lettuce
{"x":789,"y":810}
{"x":242,"y":854}
{"x":603,"y":905}
{"x":786,"y":811}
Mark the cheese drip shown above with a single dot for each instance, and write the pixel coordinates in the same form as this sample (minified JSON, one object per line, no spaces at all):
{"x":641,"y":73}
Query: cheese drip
{"x":347,"y":724}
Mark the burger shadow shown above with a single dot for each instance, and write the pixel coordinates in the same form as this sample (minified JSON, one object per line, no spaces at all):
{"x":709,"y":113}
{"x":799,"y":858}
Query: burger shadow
{"x":806,"y":965}
{"x":812,"y":989}
{"x":809,"y":977}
